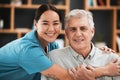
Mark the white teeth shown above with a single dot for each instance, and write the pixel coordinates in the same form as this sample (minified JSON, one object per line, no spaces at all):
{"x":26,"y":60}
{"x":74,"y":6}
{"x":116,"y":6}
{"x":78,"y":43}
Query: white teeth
{"x":50,"y":34}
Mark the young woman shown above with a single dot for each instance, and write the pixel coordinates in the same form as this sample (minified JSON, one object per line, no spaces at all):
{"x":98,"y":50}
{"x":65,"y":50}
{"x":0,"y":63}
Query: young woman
{"x":21,"y":59}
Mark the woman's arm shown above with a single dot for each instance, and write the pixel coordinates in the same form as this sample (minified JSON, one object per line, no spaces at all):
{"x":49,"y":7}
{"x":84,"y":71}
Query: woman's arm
{"x":112,"y":69}
{"x":58,"y":73}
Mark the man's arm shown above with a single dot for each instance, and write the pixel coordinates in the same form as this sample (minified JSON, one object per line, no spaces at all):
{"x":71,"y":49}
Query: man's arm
{"x":58,"y":73}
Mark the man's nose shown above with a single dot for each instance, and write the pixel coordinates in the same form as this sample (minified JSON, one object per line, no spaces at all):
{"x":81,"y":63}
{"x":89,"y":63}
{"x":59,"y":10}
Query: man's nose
{"x":78,"y":32}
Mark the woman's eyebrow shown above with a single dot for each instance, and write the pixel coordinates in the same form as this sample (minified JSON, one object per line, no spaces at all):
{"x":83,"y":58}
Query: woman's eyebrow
{"x":56,"y":21}
{"x":44,"y":21}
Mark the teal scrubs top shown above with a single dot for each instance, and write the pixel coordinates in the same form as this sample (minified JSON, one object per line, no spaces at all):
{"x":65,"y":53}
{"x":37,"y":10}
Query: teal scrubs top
{"x":21,"y":59}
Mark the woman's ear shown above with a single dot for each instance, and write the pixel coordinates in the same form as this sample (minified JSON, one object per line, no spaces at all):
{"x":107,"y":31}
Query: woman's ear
{"x":35,"y":24}
{"x":61,"y":26}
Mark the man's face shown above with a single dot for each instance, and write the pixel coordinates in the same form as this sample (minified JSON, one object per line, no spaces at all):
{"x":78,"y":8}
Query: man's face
{"x":79,"y":33}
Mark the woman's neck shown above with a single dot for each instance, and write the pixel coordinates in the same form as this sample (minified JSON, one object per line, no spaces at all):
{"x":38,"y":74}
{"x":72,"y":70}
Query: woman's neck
{"x":43,"y":43}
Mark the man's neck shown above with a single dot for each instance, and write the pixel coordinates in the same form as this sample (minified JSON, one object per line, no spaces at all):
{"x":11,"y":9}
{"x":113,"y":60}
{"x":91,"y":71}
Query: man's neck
{"x":84,"y":51}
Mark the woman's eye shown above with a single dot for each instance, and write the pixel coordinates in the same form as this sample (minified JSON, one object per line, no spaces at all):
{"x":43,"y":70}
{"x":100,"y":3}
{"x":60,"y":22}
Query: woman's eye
{"x":56,"y":23}
{"x":45,"y":23}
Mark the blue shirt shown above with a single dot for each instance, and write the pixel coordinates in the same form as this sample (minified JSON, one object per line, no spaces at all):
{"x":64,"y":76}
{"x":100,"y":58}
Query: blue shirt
{"x":21,"y":59}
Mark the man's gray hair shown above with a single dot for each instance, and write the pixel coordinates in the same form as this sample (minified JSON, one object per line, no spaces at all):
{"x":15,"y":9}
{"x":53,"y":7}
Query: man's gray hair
{"x":79,"y":13}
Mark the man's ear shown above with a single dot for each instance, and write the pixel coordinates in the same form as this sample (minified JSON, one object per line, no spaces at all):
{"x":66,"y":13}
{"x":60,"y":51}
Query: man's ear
{"x":66,"y":33}
{"x":93,"y":32}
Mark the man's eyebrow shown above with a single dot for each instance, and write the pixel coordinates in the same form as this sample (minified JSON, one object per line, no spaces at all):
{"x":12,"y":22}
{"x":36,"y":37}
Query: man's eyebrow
{"x":71,"y":27}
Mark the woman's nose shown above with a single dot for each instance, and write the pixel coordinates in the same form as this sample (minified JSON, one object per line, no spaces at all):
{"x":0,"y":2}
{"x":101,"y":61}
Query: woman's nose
{"x":51,"y":28}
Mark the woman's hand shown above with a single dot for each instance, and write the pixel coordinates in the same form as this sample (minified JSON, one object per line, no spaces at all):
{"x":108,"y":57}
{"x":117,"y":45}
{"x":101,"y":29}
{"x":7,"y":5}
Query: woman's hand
{"x":113,"y":68}
{"x":82,"y":73}
{"x":107,"y":50}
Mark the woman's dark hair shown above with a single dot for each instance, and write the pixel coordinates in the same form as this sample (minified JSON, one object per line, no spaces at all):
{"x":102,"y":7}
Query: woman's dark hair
{"x":45,"y":7}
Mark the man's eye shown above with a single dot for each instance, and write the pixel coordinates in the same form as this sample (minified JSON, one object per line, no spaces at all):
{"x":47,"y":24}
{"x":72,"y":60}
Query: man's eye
{"x":73,"y":29}
{"x":83,"y":28}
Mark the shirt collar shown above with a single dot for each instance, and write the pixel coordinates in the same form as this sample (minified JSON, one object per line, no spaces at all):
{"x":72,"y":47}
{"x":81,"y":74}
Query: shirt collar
{"x":90,"y":56}
{"x":32,"y":36}
{"x":73,"y":52}
{"x":92,"y":52}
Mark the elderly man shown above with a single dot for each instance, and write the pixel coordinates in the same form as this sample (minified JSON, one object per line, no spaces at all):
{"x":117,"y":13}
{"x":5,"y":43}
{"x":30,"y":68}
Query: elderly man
{"x":81,"y":52}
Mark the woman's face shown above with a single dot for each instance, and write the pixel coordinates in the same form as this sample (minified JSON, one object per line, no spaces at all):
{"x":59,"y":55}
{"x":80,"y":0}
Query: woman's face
{"x":48,"y":26}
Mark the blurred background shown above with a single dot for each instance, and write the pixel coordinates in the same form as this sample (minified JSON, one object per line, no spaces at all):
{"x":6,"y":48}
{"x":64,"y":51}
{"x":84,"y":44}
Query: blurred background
{"x":16,"y":19}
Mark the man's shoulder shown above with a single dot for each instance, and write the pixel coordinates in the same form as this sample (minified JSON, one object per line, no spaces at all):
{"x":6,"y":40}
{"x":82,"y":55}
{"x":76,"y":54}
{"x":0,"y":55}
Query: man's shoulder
{"x":61,"y":51}
{"x":106,"y":54}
